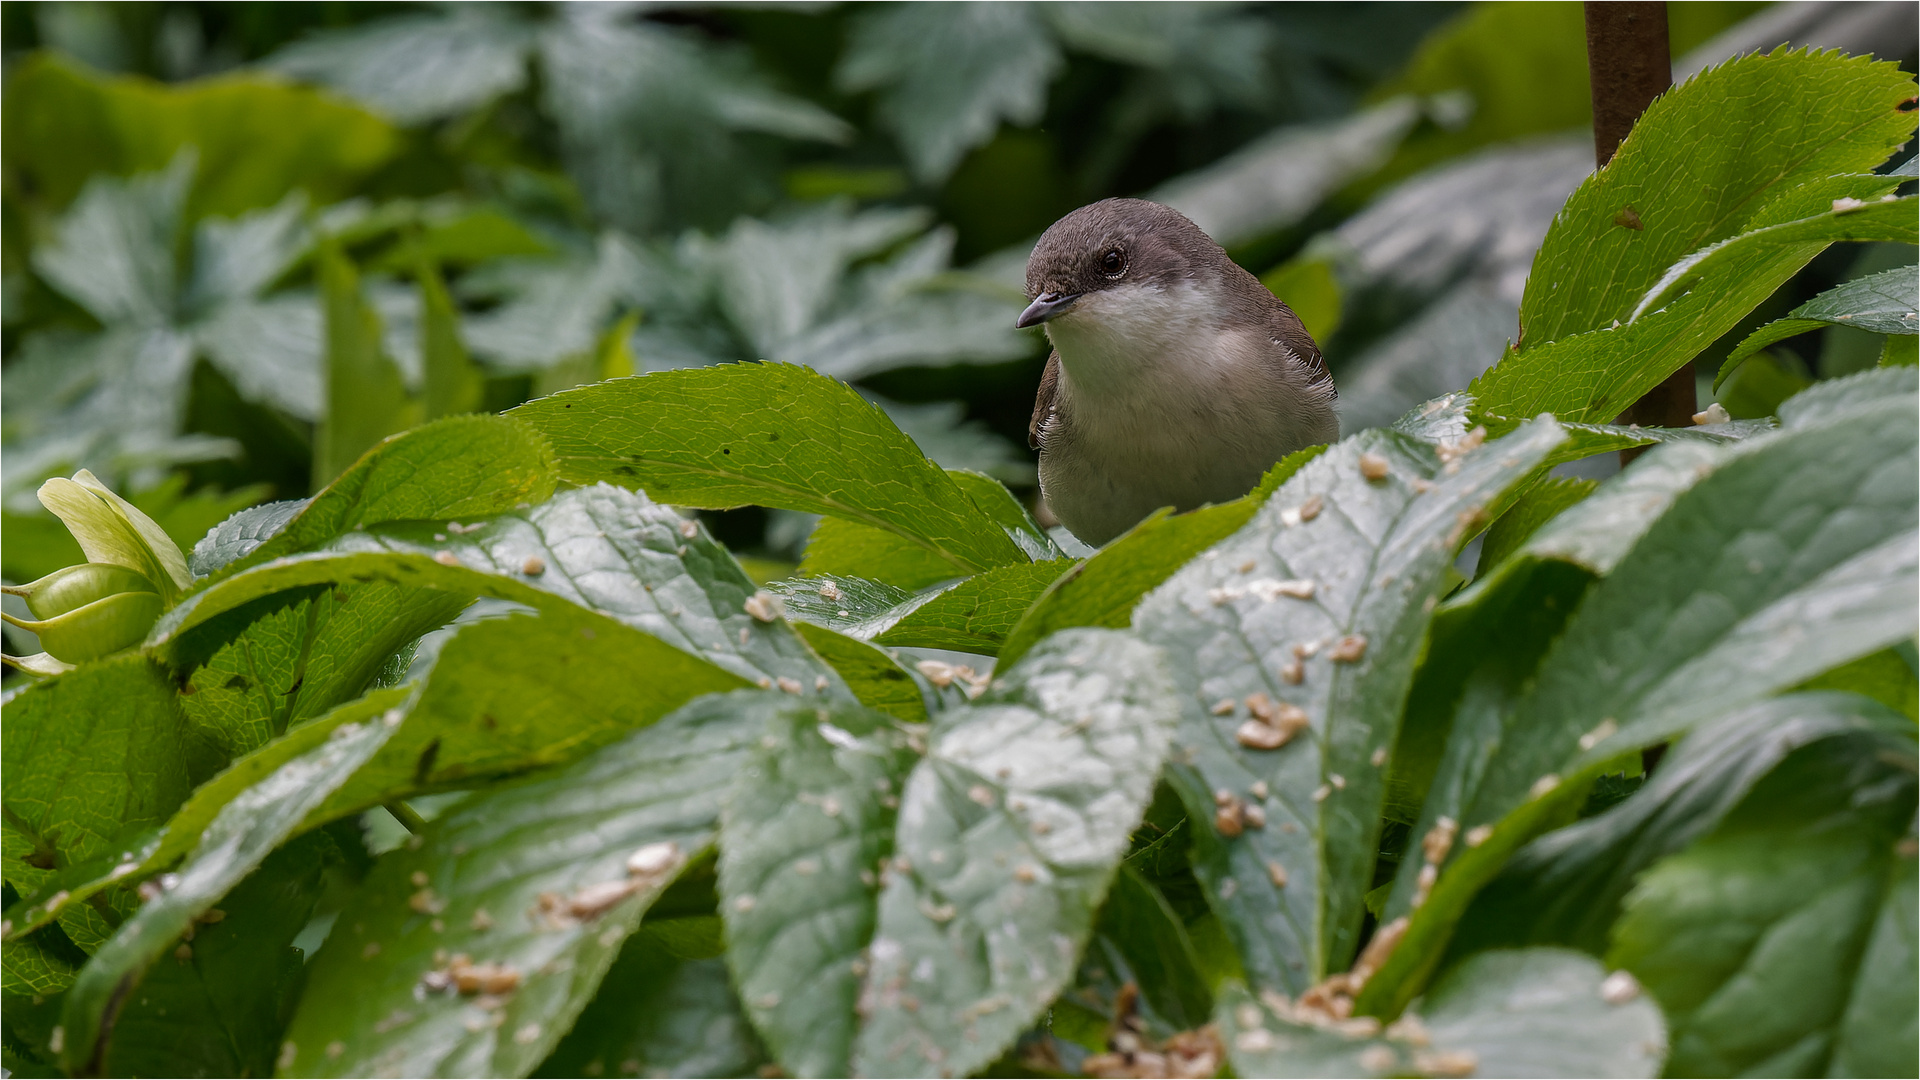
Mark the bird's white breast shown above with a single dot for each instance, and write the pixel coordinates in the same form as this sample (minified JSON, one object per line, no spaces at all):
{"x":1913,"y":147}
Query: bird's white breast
{"x":1160,"y":403}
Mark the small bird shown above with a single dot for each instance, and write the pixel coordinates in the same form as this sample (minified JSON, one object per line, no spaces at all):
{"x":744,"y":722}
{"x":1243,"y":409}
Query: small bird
{"x":1176,"y":378}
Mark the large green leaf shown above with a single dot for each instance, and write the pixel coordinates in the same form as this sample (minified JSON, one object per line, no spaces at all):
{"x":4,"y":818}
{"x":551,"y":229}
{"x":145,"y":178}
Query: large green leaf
{"x":1755,"y":940}
{"x":1793,"y":555}
{"x":1009,"y":833}
{"x":232,"y":846}
{"x":257,"y":139}
{"x":1710,"y":159}
{"x":975,"y":615}
{"x":1566,"y":887}
{"x":773,"y":435}
{"x":600,"y":549}
{"x":1881,"y":303}
{"x":1527,"y":1013}
{"x":1594,"y":375}
{"x":1371,"y":558}
{"x":92,"y":757}
{"x":1103,"y":590}
{"x":218,"y":1006}
{"x":659,"y":1013}
{"x":806,"y":832}
{"x":453,"y":468}
{"x":1731,"y":181}
{"x":544,"y":878}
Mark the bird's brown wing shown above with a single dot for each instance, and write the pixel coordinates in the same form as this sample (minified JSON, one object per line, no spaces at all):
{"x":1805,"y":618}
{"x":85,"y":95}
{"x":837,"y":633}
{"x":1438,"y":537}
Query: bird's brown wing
{"x":1288,"y":330}
{"x":1043,"y":401}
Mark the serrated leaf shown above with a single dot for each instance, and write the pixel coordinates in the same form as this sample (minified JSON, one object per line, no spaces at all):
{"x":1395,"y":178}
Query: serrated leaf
{"x":591,"y":550}
{"x":772,"y":435}
{"x":1706,"y":162}
{"x":1373,"y":556}
{"x":1832,"y":398}
{"x":1748,"y":585}
{"x":659,"y":1013}
{"x":234,"y":843}
{"x":112,"y":253}
{"x":529,"y":855}
{"x":1565,"y":888}
{"x":219,"y":1008}
{"x":237,"y":536}
{"x":1737,"y":213}
{"x":1009,"y":833}
{"x":804,"y":836}
{"x":1532,"y":1012}
{"x":1543,"y":502}
{"x":1103,"y":590}
{"x":949,"y":75}
{"x":454,"y":383}
{"x":1881,"y":303}
{"x":1770,"y":915}
{"x":93,"y":757}
{"x":317,"y":649}
{"x":467,"y":466}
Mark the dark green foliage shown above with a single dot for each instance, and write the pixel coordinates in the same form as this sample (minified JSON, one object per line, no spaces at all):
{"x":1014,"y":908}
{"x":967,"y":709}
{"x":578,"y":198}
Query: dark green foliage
{"x":489,"y":758}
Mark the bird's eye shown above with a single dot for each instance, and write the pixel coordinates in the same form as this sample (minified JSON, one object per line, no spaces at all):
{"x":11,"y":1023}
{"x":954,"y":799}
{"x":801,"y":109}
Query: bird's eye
{"x":1114,"y":262}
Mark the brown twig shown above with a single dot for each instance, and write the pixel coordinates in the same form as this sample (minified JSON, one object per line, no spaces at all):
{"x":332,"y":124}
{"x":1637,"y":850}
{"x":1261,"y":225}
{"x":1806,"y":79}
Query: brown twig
{"x":1630,"y":64}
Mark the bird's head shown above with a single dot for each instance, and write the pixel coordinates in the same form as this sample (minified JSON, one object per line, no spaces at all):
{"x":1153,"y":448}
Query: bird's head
{"x":1103,"y":256}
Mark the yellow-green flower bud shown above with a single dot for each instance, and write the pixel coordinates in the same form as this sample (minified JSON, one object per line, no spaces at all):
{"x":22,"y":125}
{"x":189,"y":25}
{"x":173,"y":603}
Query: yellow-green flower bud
{"x":77,"y":586}
{"x":98,"y":629}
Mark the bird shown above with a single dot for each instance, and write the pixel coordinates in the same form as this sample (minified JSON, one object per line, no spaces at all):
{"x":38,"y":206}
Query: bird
{"x":1176,"y":378}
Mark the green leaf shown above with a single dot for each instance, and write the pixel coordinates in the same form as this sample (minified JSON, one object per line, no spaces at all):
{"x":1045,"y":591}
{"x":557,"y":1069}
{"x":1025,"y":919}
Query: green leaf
{"x":1748,"y":585}
{"x":257,"y":139}
{"x":948,"y":76}
{"x":1882,"y":303}
{"x":314,"y":650}
{"x":467,"y":466}
{"x":1009,"y":834}
{"x":1900,"y":351}
{"x":808,"y":828}
{"x":772,"y":435}
{"x":34,"y":965}
{"x":366,"y":398}
{"x":239,"y":534}
{"x":659,"y":1014}
{"x":1372,"y":557}
{"x":995,"y":501}
{"x":416,"y":68}
{"x":1582,"y":377}
{"x":1718,"y":210}
{"x":534,"y":878}
{"x":876,"y":681}
{"x":1565,"y":888}
{"x":590,"y":556}
{"x":976,"y":615}
{"x":1833,"y":398}
{"x":113,"y":252}
{"x":1711,"y":159}
{"x":233,"y":845}
{"x":1140,"y":939}
{"x":1531,"y":1012}
{"x":454,"y":383}
{"x":847,"y":549}
{"x":1103,"y":590}
{"x":93,"y":757}
{"x":1542,"y":503}
{"x":1886,"y":676}
{"x":218,"y":1007}
{"x":1754,"y":940}
{"x":157,"y":849}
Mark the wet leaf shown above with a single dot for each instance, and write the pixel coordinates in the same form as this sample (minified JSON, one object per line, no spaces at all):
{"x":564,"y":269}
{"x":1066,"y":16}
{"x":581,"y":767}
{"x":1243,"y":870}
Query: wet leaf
{"x":1009,"y":834}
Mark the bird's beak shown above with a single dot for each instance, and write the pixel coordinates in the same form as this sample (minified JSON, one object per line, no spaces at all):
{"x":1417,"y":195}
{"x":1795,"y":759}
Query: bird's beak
{"x":1044,"y":307}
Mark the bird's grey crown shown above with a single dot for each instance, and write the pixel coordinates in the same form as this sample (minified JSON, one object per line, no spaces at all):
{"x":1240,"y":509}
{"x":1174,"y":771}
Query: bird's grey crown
{"x":1157,"y":242}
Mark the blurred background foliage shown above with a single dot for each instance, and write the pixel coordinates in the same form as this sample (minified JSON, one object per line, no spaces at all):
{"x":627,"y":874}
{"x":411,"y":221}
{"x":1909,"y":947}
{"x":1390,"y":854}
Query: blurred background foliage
{"x":244,"y":241}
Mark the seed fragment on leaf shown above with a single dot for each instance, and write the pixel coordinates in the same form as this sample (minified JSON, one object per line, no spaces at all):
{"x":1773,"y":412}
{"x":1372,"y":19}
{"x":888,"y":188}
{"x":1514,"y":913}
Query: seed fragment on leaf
{"x":1373,"y":466}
